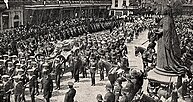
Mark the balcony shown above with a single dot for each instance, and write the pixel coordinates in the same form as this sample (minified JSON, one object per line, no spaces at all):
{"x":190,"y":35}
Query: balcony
{"x":64,"y":3}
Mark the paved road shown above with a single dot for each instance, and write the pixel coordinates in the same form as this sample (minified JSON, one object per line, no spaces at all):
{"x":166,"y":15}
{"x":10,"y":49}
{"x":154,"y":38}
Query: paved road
{"x":86,"y":92}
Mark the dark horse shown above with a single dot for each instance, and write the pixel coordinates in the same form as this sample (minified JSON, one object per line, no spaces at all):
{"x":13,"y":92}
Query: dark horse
{"x":141,"y":50}
{"x":110,"y":70}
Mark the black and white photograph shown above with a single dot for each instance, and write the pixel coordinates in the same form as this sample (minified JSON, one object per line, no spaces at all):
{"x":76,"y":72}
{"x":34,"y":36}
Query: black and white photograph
{"x":96,"y":50}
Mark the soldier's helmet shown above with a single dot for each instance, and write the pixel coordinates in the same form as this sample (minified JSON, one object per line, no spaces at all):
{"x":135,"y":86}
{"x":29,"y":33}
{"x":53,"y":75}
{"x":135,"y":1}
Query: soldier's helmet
{"x":99,"y":97}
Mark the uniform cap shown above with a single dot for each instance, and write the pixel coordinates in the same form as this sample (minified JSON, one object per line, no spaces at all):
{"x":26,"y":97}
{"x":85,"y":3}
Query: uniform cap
{"x":20,"y":70}
{"x":17,"y":77}
{"x":32,"y":57}
{"x":45,"y":65}
{"x":5,"y":55}
{"x":14,"y":56}
{"x":18,"y":64}
{"x":5,"y":76}
{"x":33,"y":62}
{"x":70,"y":83}
{"x":30,"y":70}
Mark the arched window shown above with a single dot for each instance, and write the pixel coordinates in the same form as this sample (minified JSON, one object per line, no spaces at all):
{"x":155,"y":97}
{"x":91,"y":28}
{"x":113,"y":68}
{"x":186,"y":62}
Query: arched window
{"x":16,"y":17}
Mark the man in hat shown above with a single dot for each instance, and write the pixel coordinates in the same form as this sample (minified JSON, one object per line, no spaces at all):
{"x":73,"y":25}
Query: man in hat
{"x":36,"y":72}
{"x":124,"y":93}
{"x":7,"y":86}
{"x":92,"y":66}
{"x":109,"y":96}
{"x":18,"y":87}
{"x":117,"y":89}
{"x":99,"y":98}
{"x":47,"y":85}
{"x":32,"y":82}
{"x":77,"y":66}
{"x":58,"y":72}
{"x":69,"y":96}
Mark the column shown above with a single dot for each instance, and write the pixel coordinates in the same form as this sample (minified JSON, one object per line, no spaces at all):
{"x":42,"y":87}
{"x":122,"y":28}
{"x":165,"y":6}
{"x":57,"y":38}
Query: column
{"x":1,"y":21}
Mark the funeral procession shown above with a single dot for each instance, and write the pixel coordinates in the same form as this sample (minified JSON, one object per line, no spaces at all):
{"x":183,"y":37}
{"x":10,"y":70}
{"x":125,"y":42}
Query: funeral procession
{"x":96,"y":50}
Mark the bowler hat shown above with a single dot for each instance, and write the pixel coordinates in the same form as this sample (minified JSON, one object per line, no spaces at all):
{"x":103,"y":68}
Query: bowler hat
{"x":99,"y":97}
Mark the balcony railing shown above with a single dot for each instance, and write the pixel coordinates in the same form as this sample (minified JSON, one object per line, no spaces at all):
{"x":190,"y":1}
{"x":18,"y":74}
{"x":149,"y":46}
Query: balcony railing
{"x":55,"y":2}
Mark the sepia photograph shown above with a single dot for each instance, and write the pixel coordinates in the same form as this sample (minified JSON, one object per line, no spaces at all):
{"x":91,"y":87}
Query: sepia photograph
{"x":96,"y":50}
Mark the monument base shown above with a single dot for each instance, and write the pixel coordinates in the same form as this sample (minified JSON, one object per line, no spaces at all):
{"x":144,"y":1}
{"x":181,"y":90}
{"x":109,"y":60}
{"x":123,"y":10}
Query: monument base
{"x":162,"y":77}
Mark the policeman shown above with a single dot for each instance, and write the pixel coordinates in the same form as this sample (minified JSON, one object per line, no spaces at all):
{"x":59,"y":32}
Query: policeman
{"x":109,"y":96}
{"x":47,"y":85}
{"x":69,"y":96}
{"x":7,"y":86}
{"x":92,"y":70}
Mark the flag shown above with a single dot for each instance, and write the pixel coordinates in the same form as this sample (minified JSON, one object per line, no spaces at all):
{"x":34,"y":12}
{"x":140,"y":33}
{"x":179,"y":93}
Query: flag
{"x":6,"y":3}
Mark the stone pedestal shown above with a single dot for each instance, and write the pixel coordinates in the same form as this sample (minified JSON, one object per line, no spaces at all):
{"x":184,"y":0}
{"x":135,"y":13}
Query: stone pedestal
{"x":162,"y":77}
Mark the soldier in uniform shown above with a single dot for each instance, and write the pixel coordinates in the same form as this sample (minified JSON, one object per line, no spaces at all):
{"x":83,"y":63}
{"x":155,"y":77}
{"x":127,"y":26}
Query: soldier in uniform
{"x":47,"y":85}
{"x":109,"y":96}
{"x":69,"y":96}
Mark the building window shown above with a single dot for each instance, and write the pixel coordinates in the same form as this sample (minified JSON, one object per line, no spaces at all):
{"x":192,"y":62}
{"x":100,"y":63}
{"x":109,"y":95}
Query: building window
{"x":116,"y":3}
{"x":124,"y":3}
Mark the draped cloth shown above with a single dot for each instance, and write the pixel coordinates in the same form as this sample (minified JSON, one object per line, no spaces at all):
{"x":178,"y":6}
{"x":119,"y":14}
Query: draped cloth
{"x":168,"y":50}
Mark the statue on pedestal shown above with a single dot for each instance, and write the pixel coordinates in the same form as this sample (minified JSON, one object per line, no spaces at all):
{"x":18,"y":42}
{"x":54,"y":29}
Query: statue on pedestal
{"x":168,"y":50}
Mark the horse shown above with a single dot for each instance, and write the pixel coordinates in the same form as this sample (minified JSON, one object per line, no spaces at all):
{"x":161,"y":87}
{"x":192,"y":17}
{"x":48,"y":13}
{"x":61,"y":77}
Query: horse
{"x":134,"y":84}
{"x":147,"y":56}
{"x":141,"y":50}
{"x":105,"y":64}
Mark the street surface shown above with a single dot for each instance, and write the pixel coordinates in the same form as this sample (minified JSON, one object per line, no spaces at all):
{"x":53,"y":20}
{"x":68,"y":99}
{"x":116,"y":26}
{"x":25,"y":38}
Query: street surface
{"x":84,"y":91}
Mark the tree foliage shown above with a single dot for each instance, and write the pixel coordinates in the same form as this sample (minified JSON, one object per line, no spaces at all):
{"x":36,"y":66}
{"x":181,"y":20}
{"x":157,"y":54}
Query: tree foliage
{"x":177,"y":8}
